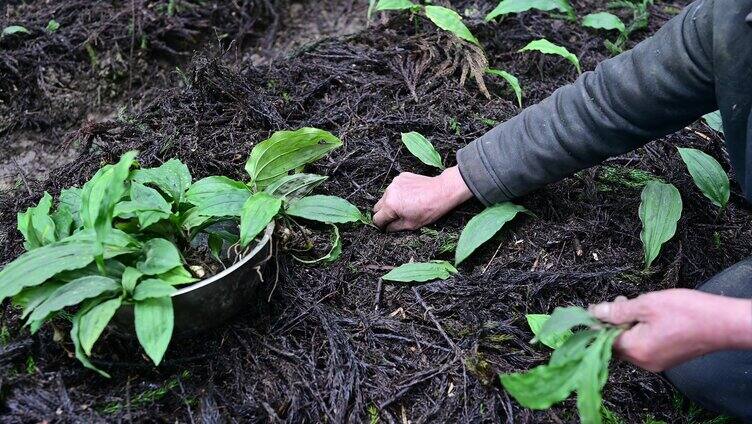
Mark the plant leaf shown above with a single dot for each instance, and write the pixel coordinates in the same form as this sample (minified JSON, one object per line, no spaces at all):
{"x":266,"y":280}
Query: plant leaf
{"x":36,"y":225}
{"x":80,"y":354}
{"x":154,"y":323}
{"x":420,"y":272}
{"x":161,"y":256}
{"x":287,"y":150}
{"x":130,"y":279}
{"x":546,"y":47}
{"x":517,"y":6}
{"x":660,"y":210}
{"x":74,"y":293}
{"x":708,"y":175}
{"x":177,"y":276}
{"x":218,"y":196}
{"x":554,"y":341}
{"x":714,"y":121}
{"x":146,"y":204}
{"x":574,"y":347}
{"x":93,"y":322}
{"x":71,"y":199}
{"x":395,"y":5}
{"x":63,"y":220}
{"x":258,"y":212}
{"x":449,"y":20}
{"x":52,"y":25}
{"x":511,"y":80}
{"x":604,"y":20}
{"x":592,"y":370}
{"x":31,"y":297}
{"x":334,"y":253}
{"x":326,"y":209}
{"x":14,"y":29}
{"x":483,"y":226}
{"x":422,"y":149}
{"x":172,"y":177}
{"x":152,"y":288}
{"x":542,"y":386}
{"x":565,"y":319}
{"x":295,"y":186}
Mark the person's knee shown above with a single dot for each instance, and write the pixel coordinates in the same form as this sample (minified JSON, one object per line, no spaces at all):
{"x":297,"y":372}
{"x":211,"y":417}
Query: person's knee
{"x":734,"y":281}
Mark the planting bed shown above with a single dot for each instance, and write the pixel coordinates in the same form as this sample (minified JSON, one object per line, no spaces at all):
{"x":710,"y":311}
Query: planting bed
{"x":332,"y":343}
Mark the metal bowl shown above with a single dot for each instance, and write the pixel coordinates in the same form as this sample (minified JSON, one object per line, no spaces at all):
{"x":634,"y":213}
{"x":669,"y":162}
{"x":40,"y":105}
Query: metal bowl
{"x":211,"y":302}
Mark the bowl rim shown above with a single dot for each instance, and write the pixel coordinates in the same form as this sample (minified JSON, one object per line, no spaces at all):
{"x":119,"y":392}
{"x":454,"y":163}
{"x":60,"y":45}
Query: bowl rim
{"x":265,"y":240}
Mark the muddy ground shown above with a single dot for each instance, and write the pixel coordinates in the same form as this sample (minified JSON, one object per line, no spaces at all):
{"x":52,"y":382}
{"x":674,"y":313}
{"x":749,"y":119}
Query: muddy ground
{"x":332,"y":343}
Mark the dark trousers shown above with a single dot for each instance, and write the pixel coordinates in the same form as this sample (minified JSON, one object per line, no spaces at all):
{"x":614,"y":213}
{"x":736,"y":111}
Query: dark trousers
{"x":721,"y":381}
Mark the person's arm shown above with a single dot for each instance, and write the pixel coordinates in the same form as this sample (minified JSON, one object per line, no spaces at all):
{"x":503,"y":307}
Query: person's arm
{"x":661,"y":85}
{"x":676,"y":325}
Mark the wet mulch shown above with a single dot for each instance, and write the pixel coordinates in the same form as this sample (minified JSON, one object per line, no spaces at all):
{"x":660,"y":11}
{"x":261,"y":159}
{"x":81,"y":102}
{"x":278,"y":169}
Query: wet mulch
{"x":333,"y":343}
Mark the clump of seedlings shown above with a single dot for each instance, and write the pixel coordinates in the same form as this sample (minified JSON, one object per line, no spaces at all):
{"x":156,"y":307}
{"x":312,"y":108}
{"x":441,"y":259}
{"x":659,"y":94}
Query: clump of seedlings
{"x":126,"y":236}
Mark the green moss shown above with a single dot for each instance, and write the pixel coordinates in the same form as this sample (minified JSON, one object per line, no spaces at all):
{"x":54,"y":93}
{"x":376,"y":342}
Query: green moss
{"x":147,"y":397}
{"x":480,"y":368}
{"x":621,"y":176}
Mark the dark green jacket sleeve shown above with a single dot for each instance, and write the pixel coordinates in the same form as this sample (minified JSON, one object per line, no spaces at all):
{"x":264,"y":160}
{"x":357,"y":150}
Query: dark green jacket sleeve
{"x":660,"y":86}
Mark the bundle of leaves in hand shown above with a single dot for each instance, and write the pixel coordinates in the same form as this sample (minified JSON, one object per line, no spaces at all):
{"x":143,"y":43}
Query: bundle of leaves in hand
{"x":579,"y":364}
{"x":120,"y":239}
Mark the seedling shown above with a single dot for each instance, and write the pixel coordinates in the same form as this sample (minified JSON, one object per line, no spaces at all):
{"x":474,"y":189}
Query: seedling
{"x":118,"y":240}
{"x":52,"y":25}
{"x":640,"y":16}
{"x":660,"y":210}
{"x":422,"y":149}
{"x":604,"y":20}
{"x":444,"y":18}
{"x":518,"y":6}
{"x":546,"y":47}
{"x":513,"y":82}
{"x":579,"y":365}
{"x":483,"y":226}
{"x":419,"y":272}
{"x":14,"y":29}
{"x":708,"y":175}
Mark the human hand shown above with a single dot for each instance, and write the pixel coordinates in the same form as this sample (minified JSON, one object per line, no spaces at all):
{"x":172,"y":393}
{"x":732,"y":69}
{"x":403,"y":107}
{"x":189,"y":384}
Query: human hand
{"x":676,"y":325}
{"x":412,"y":201}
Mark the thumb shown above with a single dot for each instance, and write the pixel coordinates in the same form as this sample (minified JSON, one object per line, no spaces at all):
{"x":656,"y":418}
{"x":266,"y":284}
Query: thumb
{"x":618,"y":312}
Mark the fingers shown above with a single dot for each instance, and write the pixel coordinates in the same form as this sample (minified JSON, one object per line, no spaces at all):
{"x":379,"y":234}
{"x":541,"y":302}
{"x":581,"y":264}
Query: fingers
{"x":379,"y":204}
{"x":620,"y":311}
{"x":384,"y":216}
{"x":399,"y":225}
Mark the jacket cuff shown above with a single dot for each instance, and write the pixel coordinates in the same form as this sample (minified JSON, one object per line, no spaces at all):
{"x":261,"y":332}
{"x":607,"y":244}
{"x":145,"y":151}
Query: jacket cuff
{"x":479,"y":176}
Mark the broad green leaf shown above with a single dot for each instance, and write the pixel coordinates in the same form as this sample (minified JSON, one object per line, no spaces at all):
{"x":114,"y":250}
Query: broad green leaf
{"x":74,"y":293}
{"x":154,"y":323}
{"x":116,"y":242}
{"x":130,"y":279}
{"x":563,"y":320}
{"x":708,"y":175}
{"x":604,"y":20}
{"x":542,"y":386}
{"x":420,"y":272}
{"x":714,"y":121}
{"x":395,"y":5}
{"x":660,"y":210}
{"x":295,"y":186}
{"x":71,"y":199}
{"x":177,"y":276}
{"x":92,"y":323}
{"x":326,"y":209}
{"x":172,"y":177}
{"x":152,"y":288}
{"x":258,"y":212}
{"x":422,"y":149}
{"x":592,"y":376}
{"x":63,"y":220}
{"x":161,"y":256}
{"x":146,"y":204}
{"x":449,"y":20}
{"x":334,"y":253}
{"x":511,"y":80}
{"x":518,"y":6}
{"x":31,"y":297}
{"x":36,"y":224}
{"x":546,"y":47}
{"x":483,"y":226}
{"x":80,"y":354}
{"x":14,"y":29}
{"x":192,"y":218}
{"x":574,"y":347}
{"x":554,"y":341}
{"x":113,"y":269}
{"x":218,"y":196}
{"x":285,"y":151}
{"x":52,"y":25}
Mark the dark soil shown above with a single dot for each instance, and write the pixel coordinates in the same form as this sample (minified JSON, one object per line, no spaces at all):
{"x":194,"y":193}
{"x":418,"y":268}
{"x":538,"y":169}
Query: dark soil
{"x":333,"y":343}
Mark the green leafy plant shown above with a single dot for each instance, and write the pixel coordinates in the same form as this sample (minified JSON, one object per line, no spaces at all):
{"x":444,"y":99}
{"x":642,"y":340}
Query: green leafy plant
{"x":52,"y":25}
{"x":513,"y":82}
{"x":444,"y":18}
{"x":554,"y":341}
{"x":640,"y":16}
{"x":14,"y":29}
{"x":714,"y":121}
{"x":708,"y":175}
{"x":120,"y":239}
{"x":660,"y":210}
{"x":506,"y":7}
{"x":546,"y":47}
{"x":419,"y":272}
{"x":422,"y":149}
{"x":604,"y":20}
{"x":579,"y":364}
{"x":483,"y":226}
